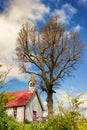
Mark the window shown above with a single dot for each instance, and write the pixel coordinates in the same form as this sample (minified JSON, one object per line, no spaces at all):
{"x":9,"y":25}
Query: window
{"x":15,"y":112}
{"x":34,"y":115}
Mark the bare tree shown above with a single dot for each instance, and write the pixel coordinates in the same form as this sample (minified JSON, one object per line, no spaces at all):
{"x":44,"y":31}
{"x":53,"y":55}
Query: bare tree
{"x":53,"y":53}
{"x":3,"y":76}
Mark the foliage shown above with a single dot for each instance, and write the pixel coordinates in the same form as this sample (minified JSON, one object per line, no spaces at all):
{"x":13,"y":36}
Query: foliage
{"x":72,"y":113}
{"x":6,"y":122}
{"x":82,"y":124}
{"x":63,"y":123}
{"x":57,"y":123}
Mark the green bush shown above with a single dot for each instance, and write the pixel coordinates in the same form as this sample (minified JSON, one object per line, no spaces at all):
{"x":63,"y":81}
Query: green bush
{"x":6,"y":122}
{"x":57,"y":123}
{"x":82,"y":124}
{"x":34,"y":126}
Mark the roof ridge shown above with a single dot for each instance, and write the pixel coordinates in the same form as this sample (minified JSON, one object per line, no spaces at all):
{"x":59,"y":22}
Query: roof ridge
{"x":17,"y":91}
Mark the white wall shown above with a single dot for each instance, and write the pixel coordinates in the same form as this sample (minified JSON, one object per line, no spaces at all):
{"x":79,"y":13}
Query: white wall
{"x":9,"y":111}
{"x":20,"y":113}
{"x":33,"y":105}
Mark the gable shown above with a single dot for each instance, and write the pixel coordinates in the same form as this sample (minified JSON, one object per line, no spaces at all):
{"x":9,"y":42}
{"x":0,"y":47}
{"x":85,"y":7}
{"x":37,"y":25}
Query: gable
{"x":36,"y":100}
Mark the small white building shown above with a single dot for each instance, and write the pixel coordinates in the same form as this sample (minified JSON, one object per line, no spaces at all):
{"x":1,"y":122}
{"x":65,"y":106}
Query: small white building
{"x":25,"y":105}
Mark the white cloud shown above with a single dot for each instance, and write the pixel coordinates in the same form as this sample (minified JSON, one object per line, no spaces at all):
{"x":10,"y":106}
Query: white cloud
{"x":63,"y":98}
{"x":45,"y":104}
{"x":61,"y":95}
{"x":65,"y":13}
{"x":82,"y":2}
{"x":77,"y":28}
{"x":83,"y":106}
{"x":12,"y":71}
{"x":18,"y":12}
{"x":30,"y":9}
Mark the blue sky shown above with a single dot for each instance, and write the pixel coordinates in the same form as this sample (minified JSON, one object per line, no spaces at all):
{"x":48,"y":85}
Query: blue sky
{"x":13,"y":13}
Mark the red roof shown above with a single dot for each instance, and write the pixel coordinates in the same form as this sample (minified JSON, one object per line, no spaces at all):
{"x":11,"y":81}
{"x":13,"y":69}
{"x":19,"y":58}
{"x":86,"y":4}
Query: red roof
{"x":19,"y":98}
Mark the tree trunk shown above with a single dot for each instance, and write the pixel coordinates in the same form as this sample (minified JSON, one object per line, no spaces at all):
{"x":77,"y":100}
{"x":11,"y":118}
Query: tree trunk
{"x":50,"y":104}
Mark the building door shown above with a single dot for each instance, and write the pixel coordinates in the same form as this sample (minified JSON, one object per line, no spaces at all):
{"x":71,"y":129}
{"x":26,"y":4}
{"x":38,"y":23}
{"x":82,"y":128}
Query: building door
{"x":34,"y":115}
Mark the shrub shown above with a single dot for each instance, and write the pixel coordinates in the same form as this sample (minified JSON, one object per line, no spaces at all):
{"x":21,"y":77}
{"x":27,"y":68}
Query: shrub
{"x":58,"y":123}
{"x":6,"y":122}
